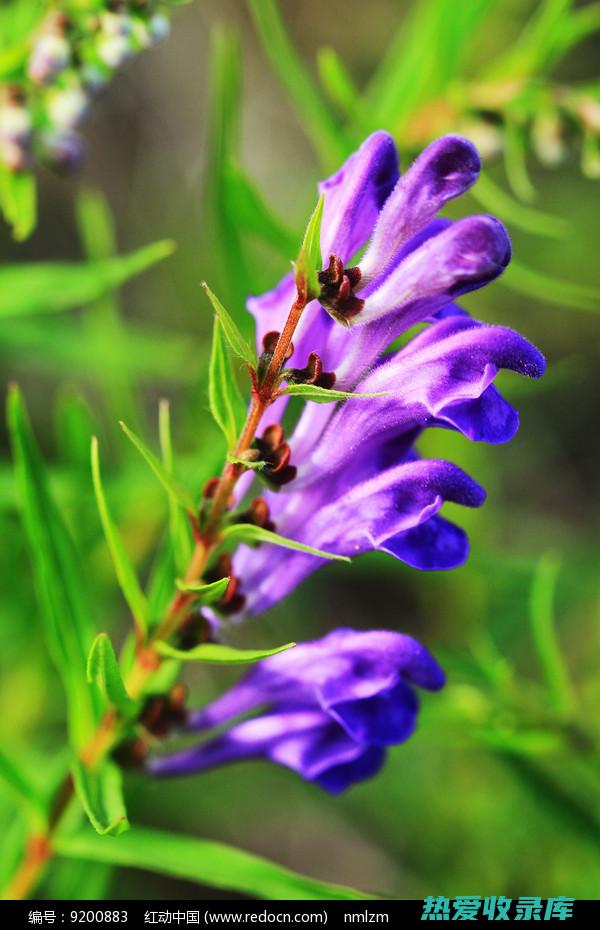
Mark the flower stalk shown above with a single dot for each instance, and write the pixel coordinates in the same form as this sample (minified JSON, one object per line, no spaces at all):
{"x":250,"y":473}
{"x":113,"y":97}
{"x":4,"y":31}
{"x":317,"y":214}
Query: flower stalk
{"x":39,"y":849}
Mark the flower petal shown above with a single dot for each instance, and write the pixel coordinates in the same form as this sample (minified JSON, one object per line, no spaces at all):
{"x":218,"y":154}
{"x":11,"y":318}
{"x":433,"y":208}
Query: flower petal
{"x":467,"y":255}
{"x":432,"y":546}
{"x":431,"y":382}
{"x":358,"y":520}
{"x":447,"y":168}
{"x":355,"y":194}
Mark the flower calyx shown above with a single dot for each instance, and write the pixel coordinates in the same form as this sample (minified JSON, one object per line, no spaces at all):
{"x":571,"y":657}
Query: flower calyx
{"x":276,"y":454}
{"x":258,"y":515}
{"x":162,"y":713}
{"x":233,"y":600}
{"x":337,"y":290}
{"x":312,"y":373}
{"x":269,"y":343}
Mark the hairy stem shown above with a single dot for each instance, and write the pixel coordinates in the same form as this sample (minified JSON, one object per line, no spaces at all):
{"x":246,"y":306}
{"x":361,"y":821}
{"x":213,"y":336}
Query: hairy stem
{"x":39,"y":847}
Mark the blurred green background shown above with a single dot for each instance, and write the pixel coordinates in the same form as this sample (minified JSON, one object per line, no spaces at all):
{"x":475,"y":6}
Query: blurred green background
{"x":498,"y":793}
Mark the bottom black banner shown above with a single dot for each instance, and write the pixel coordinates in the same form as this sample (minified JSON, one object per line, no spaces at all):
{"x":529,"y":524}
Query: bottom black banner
{"x":563,"y":910}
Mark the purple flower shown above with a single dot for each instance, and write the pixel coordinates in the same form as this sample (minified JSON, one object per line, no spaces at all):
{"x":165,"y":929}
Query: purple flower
{"x":333,"y":706}
{"x":359,"y":484}
{"x":349,"y":479}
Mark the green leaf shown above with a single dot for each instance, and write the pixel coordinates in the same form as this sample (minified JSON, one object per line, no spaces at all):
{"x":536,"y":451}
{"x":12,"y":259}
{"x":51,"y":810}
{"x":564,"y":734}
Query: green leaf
{"x":171,"y":486}
{"x":309,"y":261}
{"x":341,"y":89}
{"x":205,"y":862}
{"x":217,"y":654}
{"x":550,"y":654}
{"x":102,"y":322}
{"x":235,"y":339}
{"x":103,"y":671}
{"x":205,"y":593}
{"x":101,"y":794}
{"x":515,"y":159}
{"x":178,"y":522}
{"x":253,"y":214}
{"x":322,"y":395}
{"x":409,"y":75}
{"x":58,"y":574}
{"x":322,"y":129}
{"x":52,"y":287}
{"x":549,"y":289}
{"x":248,"y":533}
{"x":492,"y":197}
{"x":56,"y":344}
{"x":19,"y":784}
{"x":223,"y":237}
{"x":18,"y":199}
{"x":125,"y":572}
{"x":226,"y":404}
{"x":252,"y":464}
{"x":74,"y":425}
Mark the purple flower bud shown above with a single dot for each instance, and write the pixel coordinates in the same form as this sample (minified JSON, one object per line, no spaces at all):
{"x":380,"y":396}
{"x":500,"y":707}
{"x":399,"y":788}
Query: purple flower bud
{"x":63,"y":151}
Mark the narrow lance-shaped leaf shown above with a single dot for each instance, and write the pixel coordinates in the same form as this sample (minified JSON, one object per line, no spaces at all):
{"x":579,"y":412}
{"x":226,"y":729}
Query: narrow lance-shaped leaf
{"x":226,"y":404}
{"x":100,"y":791}
{"x":205,"y":593}
{"x":248,"y":533}
{"x":549,"y":289}
{"x":102,"y":323}
{"x":235,"y":339}
{"x":495,"y":199}
{"x":103,"y":671}
{"x":51,"y":287}
{"x":341,"y":89}
{"x":172,"y":487}
{"x":541,"y":606}
{"x":205,"y":862}
{"x":18,"y":201}
{"x":126,"y":576}
{"x":309,"y":261}
{"x":58,"y":574}
{"x":178,"y":526}
{"x":217,"y":654}
{"x":321,"y":395}
{"x":19,"y":784}
{"x":253,"y":215}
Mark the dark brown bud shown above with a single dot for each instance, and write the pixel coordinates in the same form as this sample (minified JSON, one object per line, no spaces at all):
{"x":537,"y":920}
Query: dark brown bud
{"x":337,"y":290}
{"x":131,"y":753}
{"x":312,"y":374}
{"x":208,"y":491}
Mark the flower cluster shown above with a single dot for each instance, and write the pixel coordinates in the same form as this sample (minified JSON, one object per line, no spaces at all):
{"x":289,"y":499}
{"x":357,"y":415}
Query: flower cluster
{"x":71,"y":57}
{"x":353,"y":479}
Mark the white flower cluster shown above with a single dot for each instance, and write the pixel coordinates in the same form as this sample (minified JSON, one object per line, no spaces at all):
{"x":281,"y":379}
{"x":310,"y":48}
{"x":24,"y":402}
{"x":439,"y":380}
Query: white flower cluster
{"x":72,"y":56}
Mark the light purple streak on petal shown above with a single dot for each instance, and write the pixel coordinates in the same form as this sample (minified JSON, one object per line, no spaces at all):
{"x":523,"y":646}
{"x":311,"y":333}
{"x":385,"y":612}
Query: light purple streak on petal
{"x":424,"y":384}
{"x":353,"y":352}
{"x":389,"y":656}
{"x":437,"y":545}
{"x":310,"y":753}
{"x":447,"y":168}
{"x":467,"y":255}
{"x":355,"y":194}
{"x":247,"y":740}
{"x":355,"y":522}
